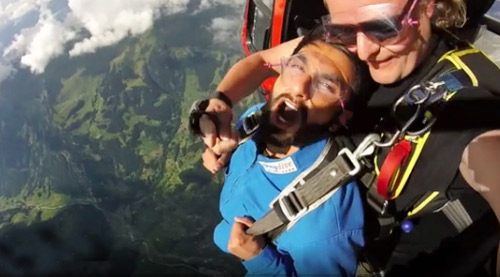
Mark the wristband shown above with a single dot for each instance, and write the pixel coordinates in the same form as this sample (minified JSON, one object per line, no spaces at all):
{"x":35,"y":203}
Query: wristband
{"x":221,"y":96}
{"x":197,"y":110}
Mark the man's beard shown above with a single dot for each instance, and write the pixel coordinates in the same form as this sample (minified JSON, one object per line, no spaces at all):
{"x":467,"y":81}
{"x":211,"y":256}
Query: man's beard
{"x":279,"y":141}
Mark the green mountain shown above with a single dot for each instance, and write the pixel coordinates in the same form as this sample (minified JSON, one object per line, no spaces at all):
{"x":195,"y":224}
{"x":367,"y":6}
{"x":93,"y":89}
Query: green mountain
{"x":96,"y":154}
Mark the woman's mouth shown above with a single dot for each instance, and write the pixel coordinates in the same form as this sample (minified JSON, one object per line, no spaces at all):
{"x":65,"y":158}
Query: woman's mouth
{"x":381,"y":63}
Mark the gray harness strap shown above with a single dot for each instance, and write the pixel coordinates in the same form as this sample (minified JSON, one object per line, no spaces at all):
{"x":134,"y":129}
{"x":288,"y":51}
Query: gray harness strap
{"x":307,"y":191}
{"x":457,"y":215}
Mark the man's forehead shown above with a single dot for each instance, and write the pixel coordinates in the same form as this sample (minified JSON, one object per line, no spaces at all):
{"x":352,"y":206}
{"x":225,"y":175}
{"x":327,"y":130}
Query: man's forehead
{"x":327,"y":57}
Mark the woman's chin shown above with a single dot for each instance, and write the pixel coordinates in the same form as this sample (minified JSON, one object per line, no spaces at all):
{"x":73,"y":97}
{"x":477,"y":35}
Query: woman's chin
{"x":386,"y":75}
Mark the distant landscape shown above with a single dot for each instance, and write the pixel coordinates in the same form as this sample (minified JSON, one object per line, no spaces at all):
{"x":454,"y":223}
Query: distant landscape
{"x":99,"y":172}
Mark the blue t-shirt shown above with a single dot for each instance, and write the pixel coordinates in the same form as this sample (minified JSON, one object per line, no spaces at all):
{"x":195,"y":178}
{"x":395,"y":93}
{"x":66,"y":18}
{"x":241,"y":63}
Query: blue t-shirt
{"x":325,"y":241}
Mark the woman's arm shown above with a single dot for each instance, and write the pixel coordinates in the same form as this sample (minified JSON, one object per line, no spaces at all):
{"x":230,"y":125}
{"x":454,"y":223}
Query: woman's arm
{"x":247,"y":74}
{"x":240,"y":81}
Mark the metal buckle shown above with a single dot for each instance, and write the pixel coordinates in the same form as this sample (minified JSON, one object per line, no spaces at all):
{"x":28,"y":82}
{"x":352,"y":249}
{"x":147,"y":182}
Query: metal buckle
{"x":419,"y":95}
{"x":250,"y":124}
{"x":367,"y":146}
{"x":291,"y":216}
{"x":352,"y":158}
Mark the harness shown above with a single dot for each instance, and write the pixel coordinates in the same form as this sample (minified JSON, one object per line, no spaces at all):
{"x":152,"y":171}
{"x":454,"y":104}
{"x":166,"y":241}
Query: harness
{"x":384,"y":185}
{"x":426,"y":99}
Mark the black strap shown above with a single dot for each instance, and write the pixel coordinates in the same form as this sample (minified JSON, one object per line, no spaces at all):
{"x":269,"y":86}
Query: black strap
{"x":305,"y":193}
{"x":224,"y":98}
{"x":197,"y":110}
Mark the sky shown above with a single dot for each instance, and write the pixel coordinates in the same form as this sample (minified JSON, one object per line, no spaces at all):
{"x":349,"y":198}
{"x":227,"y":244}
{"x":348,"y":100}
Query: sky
{"x":33,"y":32}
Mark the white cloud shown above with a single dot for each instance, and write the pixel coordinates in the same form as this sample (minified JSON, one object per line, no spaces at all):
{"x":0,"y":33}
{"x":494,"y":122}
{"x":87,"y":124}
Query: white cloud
{"x":47,"y":43}
{"x":106,"y":23}
{"x":14,"y":9}
{"x":226,"y":30}
{"x":36,"y":46}
{"x":127,"y":18}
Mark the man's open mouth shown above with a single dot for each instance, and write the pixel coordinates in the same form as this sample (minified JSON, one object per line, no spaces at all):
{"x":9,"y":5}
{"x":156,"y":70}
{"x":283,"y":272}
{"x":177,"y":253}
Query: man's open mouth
{"x":286,"y":113}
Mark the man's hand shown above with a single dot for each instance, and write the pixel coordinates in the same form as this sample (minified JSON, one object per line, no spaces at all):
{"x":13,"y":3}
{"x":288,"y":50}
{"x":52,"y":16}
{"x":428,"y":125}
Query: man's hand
{"x":241,"y":244}
{"x":211,"y":131}
{"x":219,"y":144}
{"x":213,"y":162}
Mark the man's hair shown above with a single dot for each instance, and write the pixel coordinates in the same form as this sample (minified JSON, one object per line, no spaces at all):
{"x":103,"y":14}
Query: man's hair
{"x":363,"y":85}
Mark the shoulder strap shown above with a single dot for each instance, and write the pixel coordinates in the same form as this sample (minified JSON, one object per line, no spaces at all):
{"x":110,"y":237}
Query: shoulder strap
{"x":308,"y":191}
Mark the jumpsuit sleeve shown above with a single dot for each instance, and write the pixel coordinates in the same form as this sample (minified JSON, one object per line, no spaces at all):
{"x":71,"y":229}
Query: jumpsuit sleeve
{"x":335,"y":256}
{"x":269,"y":261}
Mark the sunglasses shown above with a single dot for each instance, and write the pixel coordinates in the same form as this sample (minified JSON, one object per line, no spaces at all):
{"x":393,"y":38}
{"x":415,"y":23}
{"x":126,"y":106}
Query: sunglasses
{"x":385,"y":30}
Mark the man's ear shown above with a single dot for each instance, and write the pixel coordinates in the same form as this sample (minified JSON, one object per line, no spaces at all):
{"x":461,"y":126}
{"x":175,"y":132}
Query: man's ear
{"x":345,"y":116}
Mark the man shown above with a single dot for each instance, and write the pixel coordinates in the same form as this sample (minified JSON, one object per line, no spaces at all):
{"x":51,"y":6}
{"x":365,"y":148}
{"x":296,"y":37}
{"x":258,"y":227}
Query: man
{"x":308,"y":103}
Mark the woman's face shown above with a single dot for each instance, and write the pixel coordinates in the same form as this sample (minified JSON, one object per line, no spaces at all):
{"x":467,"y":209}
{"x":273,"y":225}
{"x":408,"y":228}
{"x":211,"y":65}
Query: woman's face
{"x":394,"y":59}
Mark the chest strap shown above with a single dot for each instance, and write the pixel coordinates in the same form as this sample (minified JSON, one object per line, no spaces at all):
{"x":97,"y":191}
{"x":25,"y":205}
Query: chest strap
{"x":308,"y":191}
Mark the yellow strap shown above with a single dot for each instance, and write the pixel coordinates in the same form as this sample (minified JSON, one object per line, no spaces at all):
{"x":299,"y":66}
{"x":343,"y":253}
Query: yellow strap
{"x":424,"y":203}
{"x":394,"y":180}
{"x":464,"y":52}
{"x":375,"y":162}
{"x":413,"y":160}
{"x":446,"y":55}
{"x":454,"y":57}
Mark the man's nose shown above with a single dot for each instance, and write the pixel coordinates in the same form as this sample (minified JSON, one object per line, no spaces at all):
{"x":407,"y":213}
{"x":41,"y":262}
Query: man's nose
{"x":300,"y":87}
{"x":365,"y":47}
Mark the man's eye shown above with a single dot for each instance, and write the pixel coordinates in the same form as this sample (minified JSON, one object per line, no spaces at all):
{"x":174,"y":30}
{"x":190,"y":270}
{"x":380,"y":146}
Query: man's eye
{"x":327,"y":87}
{"x":297,"y":66}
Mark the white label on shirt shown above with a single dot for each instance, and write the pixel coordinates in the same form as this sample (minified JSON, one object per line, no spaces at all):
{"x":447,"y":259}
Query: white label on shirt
{"x":282,"y":167}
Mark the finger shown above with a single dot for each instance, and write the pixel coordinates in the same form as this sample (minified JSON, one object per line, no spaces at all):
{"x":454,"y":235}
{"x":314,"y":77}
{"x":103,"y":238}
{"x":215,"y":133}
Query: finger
{"x":208,"y":130}
{"x":223,"y":159}
{"x":224,"y":125}
{"x":224,"y":146}
{"x":244,"y":220}
{"x":210,"y":161}
{"x":238,"y":230}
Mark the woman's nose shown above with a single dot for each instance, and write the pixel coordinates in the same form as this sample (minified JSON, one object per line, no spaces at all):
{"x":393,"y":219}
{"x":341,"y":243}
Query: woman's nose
{"x":365,"y":47}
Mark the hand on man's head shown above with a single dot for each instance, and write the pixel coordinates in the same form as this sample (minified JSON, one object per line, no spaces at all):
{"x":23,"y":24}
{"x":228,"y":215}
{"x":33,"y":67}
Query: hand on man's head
{"x":241,"y":244}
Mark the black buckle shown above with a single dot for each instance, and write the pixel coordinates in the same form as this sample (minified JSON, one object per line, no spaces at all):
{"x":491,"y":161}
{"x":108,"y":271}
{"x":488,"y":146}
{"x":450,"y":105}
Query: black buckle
{"x":377,"y":202}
